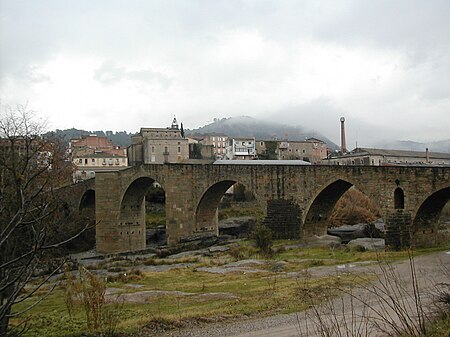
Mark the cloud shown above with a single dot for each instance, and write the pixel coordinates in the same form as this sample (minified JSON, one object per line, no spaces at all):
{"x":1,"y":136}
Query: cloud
{"x":382,"y":64}
{"x":109,"y":74}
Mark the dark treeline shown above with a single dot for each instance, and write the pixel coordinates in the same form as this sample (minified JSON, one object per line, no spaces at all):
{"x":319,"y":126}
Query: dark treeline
{"x":122,"y":138}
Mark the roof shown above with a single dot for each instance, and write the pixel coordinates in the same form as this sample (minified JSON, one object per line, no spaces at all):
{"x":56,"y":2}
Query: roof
{"x":261,"y":162}
{"x":101,"y":155}
{"x":315,"y":140}
{"x":397,"y":153}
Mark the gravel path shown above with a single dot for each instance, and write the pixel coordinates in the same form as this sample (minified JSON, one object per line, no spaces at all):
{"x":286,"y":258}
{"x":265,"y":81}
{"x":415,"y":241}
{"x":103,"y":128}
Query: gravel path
{"x":431,"y":270}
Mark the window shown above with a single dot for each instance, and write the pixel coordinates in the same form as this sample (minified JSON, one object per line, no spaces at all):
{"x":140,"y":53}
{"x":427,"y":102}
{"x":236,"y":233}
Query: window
{"x":80,"y":161}
{"x":179,"y":149}
{"x":399,"y":198}
{"x":93,"y":160}
{"x":153,"y":149}
{"x":85,"y":161}
{"x":166,"y":151}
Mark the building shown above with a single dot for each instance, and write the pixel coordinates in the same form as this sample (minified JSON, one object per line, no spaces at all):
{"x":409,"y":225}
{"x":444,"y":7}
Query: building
{"x":218,"y":141}
{"x":382,"y":157}
{"x":241,"y":149}
{"x":92,"y":153}
{"x":87,"y":164}
{"x":159,"y":145}
{"x":312,"y":150}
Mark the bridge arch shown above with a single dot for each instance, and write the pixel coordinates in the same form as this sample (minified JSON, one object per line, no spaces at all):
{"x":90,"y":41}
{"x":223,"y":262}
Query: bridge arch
{"x":86,"y":207}
{"x":319,"y":210}
{"x":132,"y":226}
{"x":427,"y":215}
{"x":322,"y":205}
{"x":206,"y":213}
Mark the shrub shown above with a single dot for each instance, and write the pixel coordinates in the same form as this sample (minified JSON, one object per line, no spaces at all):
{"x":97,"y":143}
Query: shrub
{"x":262,"y":236}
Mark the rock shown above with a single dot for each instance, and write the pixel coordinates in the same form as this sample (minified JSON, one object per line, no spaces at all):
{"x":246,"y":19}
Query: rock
{"x":186,"y":254}
{"x":348,"y":233}
{"x":238,"y":227}
{"x":156,"y":235}
{"x":278,"y":266}
{"x":218,"y":249}
{"x":368,"y":243}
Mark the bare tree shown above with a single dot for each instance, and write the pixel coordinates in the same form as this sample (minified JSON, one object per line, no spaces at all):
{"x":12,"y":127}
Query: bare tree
{"x":32,"y":169}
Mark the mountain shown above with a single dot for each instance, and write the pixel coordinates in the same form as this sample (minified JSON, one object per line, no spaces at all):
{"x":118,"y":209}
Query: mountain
{"x":437,"y":146}
{"x":262,"y":130}
{"x":121,"y":138}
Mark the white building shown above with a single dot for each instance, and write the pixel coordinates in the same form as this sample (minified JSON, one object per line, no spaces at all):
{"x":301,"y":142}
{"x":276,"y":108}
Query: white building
{"x":241,"y":149}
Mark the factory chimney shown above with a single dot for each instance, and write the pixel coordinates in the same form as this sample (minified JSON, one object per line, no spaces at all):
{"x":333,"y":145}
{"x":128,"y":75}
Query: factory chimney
{"x":343,"y":147}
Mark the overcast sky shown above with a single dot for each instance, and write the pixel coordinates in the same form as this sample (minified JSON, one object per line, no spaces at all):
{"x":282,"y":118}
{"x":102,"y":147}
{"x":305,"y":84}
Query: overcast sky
{"x":122,"y":65}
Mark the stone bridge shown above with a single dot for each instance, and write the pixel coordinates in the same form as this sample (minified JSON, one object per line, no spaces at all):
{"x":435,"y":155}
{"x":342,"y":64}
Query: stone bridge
{"x":297,"y":200}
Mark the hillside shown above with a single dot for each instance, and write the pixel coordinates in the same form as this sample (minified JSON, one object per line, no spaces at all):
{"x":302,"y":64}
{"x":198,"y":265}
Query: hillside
{"x":252,"y":127}
{"x":437,"y":146}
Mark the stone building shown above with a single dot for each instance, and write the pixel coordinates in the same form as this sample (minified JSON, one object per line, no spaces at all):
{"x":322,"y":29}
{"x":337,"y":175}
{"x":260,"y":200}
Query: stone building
{"x":312,"y":150}
{"x":218,"y":141}
{"x":382,"y":157}
{"x":92,"y":153}
{"x":158,"y":146}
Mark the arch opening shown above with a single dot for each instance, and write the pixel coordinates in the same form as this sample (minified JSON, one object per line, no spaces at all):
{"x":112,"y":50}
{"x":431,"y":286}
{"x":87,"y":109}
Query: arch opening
{"x":431,"y":217}
{"x":222,"y":201}
{"x":132,"y":225}
{"x":399,"y":198}
{"x":322,"y":206}
{"x":86,"y":208}
{"x":340,"y":204}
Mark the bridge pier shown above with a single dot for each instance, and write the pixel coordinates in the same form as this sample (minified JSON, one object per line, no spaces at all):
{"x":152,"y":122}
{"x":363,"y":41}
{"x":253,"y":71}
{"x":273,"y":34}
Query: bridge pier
{"x":284,"y":219}
{"x":398,"y":229}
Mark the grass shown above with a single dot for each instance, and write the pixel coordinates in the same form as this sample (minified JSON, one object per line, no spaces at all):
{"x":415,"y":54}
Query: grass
{"x":254,"y":294}
{"x":155,"y":219}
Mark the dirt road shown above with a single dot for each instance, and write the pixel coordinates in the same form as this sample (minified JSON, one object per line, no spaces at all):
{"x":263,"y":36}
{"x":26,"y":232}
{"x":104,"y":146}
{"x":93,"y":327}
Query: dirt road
{"x":384,"y":304}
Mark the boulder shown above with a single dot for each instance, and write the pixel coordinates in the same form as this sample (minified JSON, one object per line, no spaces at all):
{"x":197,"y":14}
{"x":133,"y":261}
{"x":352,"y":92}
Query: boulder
{"x":351,"y":232}
{"x":368,"y":243}
{"x":238,"y":227}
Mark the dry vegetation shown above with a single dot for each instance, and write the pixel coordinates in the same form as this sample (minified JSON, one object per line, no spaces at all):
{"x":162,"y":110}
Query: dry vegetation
{"x":89,"y":303}
{"x":352,"y":208}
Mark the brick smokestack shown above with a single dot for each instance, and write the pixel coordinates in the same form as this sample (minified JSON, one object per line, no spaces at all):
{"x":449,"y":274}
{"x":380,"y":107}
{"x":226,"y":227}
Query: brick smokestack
{"x":343,"y":147}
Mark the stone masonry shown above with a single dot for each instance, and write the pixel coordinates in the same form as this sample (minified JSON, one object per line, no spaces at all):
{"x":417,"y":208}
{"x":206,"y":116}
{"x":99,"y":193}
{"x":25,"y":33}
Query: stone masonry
{"x":296,"y":199}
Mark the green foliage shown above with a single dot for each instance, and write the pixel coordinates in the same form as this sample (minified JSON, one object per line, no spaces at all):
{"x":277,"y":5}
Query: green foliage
{"x":263,"y":238}
{"x":195,"y":151}
{"x":122,"y":138}
{"x":271,"y":151}
{"x":242,"y":252}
